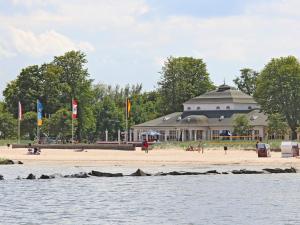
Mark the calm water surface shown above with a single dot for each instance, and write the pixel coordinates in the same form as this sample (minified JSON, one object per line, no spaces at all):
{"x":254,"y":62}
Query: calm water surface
{"x":213,"y":199}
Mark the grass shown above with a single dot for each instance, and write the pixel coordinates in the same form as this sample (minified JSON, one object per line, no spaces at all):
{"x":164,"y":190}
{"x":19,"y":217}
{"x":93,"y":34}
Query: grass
{"x":13,"y":141}
{"x":4,"y":161}
{"x":236,"y":144}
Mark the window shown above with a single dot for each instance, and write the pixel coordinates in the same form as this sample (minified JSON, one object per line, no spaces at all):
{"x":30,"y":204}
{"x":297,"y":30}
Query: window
{"x":218,"y":107}
{"x":249,"y":107}
{"x":198,"y":108}
{"x":188,"y":108}
{"x":228,"y":107}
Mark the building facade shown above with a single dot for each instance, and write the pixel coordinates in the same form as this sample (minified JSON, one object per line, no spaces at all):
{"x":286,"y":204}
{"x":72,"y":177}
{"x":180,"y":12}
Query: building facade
{"x":206,"y":117}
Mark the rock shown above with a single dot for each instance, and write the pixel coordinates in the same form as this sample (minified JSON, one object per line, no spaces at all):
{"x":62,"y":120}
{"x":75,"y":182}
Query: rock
{"x":30,"y":177}
{"x":244,"y":171}
{"x":225,"y":173}
{"x":175,"y":173}
{"x":212,"y":172}
{"x":20,"y":162}
{"x":291,"y":170}
{"x":278,"y":170}
{"x":47,"y":176}
{"x":100,"y":174}
{"x":1,"y":177}
{"x":77,"y":175}
{"x":6,"y":162}
{"x":140,"y":173}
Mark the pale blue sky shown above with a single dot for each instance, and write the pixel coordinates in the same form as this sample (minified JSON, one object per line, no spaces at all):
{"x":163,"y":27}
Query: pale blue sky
{"x":127,"y":41}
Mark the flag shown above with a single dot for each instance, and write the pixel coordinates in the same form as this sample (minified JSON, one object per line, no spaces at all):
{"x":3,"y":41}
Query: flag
{"x":20,"y":111}
{"x":39,"y":110}
{"x":128,"y":107}
{"x":74,"y":108}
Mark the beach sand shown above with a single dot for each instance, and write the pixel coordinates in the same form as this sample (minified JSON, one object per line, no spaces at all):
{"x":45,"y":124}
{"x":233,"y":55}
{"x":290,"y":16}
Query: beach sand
{"x":175,"y":157}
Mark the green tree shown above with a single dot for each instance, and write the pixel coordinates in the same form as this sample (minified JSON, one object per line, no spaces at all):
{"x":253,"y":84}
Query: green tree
{"x":60,"y":125}
{"x":277,"y":125}
{"x":247,"y":81}
{"x":8,"y":125}
{"x":29,"y":125}
{"x":182,"y":78}
{"x":278,"y":90}
{"x":241,"y":126}
{"x":76,"y":85}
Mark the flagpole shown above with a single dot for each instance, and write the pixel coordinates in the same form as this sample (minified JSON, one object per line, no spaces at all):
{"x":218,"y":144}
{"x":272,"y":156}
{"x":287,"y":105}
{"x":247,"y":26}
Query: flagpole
{"x":72,"y":124}
{"x":126,"y":121}
{"x":19,"y":122}
{"x":37,"y":122}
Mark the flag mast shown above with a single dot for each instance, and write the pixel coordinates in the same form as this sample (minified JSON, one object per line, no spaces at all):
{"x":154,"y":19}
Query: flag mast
{"x":72,"y":123}
{"x":126,"y":121}
{"x":19,"y":121}
{"x":37,"y":122}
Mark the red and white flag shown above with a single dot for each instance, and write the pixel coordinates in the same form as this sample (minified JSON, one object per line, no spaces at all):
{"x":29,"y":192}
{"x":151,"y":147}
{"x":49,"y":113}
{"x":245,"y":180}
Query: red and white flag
{"x":20,"y":111}
{"x":74,"y":108}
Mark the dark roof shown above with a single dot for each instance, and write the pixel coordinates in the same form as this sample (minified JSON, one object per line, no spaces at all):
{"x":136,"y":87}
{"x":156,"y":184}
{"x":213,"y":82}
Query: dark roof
{"x":223,"y":94}
{"x":205,"y":118}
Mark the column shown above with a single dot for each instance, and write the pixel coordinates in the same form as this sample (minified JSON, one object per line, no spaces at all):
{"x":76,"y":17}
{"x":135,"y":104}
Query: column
{"x":183,"y":134}
{"x":204,"y":135}
{"x":130,"y":135}
{"x":119,"y":136}
{"x":106,"y":135}
{"x":195,"y":135}
{"x":166,"y":135}
{"x":190,"y":135}
{"x":135,"y":137}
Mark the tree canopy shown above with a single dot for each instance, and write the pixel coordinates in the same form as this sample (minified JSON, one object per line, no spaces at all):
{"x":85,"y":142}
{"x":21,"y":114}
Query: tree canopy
{"x":182,"y":79}
{"x":246,"y":82}
{"x":278,"y":90}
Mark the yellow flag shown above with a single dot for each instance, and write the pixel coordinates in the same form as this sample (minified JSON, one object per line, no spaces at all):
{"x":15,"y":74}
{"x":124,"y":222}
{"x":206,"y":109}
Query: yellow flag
{"x":128,"y":106}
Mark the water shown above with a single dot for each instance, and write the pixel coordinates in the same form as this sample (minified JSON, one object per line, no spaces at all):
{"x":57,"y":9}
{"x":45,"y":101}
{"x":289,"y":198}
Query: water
{"x":214,"y":199}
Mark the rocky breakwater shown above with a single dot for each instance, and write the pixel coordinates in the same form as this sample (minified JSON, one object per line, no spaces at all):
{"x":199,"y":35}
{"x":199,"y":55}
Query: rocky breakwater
{"x":141,"y":173}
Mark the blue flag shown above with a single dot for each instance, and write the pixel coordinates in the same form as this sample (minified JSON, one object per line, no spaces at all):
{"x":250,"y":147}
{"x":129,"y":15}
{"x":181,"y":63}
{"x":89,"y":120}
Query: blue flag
{"x":40,"y":108}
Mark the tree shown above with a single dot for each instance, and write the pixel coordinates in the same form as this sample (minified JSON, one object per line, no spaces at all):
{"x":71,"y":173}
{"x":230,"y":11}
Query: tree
{"x":182,"y":78}
{"x":76,"y":85}
{"x":247,"y":81}
{"x":277,"y":125}
{"x":29,"y":125}
{"x":278,"y":90}
{"x":8,"y":125}
{"x":241,"y":126}
{"x":60,"y":125}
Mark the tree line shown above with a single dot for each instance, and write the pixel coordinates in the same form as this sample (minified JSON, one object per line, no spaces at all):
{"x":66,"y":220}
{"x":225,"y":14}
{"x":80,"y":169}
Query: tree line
{"x":102,"y":107}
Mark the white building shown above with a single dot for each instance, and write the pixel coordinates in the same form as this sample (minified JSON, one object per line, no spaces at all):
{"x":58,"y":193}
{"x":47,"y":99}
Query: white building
{"x":206,"y":117}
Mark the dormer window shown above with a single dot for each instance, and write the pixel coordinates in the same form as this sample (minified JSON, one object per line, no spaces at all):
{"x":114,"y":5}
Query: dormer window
{"x":249,"y":107}
{"x":198,"y":108}
{"x":218,"y":107}
{"x":188,"y":108}
{"x":228,"y":107}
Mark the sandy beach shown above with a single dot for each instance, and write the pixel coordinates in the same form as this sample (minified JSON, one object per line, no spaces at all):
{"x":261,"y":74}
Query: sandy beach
{"x":176,"y":157}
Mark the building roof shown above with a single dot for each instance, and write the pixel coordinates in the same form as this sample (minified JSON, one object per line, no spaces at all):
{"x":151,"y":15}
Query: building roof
{"x":205,"y":119}
{"x":223,"y":94}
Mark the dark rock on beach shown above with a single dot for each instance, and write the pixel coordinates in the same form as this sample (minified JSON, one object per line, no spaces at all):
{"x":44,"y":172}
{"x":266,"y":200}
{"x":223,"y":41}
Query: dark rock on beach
{"x":77,"y":175}
{"x":1,"y":177}
{"x":101,"y":174}
{"x":278,"y":170}
{"x":43,"y":176}
{"x":6,"y":162}
{"x":212,"y":172}
{"x":244,"y":171}
{"x":140,"y":173}
{"x":19,"y":162}
{"x":30,"y":177}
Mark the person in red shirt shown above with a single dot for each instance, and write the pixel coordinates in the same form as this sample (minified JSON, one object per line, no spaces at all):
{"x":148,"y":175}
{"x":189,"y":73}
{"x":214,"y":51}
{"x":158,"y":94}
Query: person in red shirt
{"x":145,"y":145}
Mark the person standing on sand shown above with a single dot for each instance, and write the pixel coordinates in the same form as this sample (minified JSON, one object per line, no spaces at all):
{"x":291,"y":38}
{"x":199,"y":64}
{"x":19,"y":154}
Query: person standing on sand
{"x":145,"y":145}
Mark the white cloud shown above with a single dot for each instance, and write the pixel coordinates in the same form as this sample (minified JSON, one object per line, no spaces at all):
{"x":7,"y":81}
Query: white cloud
{"x":47,"y":43}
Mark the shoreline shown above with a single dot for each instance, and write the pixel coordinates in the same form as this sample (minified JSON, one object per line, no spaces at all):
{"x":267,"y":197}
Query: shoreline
{"x":155,"y":157}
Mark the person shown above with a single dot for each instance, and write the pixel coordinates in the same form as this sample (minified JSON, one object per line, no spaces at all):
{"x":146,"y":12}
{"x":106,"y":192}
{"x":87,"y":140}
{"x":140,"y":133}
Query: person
{"x":145,"y":145}
{"x":225,"y":149}
{"x":256,"y":146}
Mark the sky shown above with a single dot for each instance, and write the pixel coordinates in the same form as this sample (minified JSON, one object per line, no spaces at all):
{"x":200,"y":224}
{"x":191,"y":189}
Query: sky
{"x":128,"y":41}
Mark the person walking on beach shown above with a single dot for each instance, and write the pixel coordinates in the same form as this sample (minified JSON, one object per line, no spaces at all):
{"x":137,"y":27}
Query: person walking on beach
{"x":145,"y":145}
